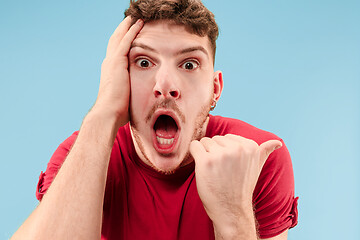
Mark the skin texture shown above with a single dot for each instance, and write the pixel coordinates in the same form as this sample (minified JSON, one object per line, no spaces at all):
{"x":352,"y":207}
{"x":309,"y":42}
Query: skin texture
{"x":165,"y":86}
{"x":169,"y":51}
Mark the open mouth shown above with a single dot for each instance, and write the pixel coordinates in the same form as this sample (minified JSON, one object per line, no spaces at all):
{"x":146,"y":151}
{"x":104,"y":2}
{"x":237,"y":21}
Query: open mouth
{"x":166,"y":132}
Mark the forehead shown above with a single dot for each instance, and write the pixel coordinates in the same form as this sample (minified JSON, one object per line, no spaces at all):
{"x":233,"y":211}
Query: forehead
{"x":168,"y":36}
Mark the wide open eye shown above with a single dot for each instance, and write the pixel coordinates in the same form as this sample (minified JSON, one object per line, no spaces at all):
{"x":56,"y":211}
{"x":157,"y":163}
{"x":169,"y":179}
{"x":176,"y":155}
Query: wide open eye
{"x":190,"y":65}
{"x":143,"y":63}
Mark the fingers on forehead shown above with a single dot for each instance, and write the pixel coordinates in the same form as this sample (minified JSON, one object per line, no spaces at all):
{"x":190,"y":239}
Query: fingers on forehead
{"x":129,"y":37}
{"x":120,"y":31}
{"x":123,"y":26}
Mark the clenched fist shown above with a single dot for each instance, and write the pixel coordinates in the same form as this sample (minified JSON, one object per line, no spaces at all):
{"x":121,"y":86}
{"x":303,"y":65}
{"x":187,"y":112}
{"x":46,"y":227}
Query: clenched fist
{"x":227,"y":169}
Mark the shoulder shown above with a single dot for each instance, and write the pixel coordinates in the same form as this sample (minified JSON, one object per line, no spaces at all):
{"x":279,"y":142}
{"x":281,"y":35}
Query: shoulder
{"x":219,"y":125}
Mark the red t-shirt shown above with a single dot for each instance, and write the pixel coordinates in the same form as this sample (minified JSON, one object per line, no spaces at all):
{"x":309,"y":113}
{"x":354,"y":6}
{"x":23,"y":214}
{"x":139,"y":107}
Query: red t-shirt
{"x":140,"y":203}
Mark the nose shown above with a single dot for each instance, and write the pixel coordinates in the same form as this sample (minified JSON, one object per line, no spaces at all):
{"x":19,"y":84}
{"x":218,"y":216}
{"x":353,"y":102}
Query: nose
{"x":166,"y":84}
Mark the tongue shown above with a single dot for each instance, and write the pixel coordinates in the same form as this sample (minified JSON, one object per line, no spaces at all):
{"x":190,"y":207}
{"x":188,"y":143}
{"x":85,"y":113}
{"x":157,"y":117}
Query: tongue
{"x":165,"y":127}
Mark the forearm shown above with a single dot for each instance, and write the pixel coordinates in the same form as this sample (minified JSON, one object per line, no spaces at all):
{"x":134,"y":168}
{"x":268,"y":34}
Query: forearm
{"x":72,"y":207}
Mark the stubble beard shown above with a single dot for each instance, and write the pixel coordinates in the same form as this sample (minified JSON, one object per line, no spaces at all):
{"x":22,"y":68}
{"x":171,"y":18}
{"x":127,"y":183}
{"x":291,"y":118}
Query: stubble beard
{"x":199,"y":132}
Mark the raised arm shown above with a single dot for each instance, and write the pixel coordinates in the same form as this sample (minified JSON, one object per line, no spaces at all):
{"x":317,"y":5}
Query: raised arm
{"x":72,"y":206}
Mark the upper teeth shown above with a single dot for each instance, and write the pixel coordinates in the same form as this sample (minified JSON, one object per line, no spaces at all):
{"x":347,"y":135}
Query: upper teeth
{"x":165,"y":140}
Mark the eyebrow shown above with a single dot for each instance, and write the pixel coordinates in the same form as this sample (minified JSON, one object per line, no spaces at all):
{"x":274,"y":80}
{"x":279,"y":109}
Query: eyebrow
{"x":144,"y":46}
{"x":182,"y":51}
{"x":193,"y":49}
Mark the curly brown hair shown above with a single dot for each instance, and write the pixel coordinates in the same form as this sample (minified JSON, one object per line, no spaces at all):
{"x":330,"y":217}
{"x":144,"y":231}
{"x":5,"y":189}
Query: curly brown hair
{"x":192,"y":14}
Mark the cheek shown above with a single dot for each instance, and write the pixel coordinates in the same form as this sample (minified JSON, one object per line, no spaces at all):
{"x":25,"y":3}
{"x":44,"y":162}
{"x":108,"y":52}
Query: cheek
{"x":202,"y":90}
{"x":140,"y":89}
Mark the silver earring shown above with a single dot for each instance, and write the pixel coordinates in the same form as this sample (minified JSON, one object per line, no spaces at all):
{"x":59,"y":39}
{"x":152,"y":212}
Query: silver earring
{"x":213,"y":105}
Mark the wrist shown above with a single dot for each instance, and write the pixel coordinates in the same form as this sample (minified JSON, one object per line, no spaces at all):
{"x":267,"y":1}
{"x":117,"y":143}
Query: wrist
{"x":100,"y":124}
{"x":109,"y":115}
{"x":238,"y":224}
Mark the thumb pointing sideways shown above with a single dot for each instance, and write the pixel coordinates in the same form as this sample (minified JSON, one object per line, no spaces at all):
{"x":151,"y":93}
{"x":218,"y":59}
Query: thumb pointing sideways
{"x":267,"y":148}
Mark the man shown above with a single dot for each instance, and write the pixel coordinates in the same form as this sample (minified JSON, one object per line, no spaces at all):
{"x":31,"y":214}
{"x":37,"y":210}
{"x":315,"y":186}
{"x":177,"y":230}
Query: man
{"x":149,"y":162}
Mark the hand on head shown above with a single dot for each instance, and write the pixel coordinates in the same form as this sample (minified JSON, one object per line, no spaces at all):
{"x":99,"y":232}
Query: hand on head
{"x":114,"y":90}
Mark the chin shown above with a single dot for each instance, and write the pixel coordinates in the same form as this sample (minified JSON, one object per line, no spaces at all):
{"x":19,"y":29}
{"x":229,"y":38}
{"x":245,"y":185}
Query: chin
{"x":166,"y":164}
{"x":162,"y":137}
{"x":165,"y":168}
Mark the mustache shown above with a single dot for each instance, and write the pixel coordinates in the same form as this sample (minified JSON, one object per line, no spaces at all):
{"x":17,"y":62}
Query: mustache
{"x":166,"y":104}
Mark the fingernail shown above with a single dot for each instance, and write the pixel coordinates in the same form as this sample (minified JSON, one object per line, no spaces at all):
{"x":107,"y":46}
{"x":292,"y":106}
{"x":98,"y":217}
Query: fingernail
{"x":277,"y":147}
{"x":140,"y":22}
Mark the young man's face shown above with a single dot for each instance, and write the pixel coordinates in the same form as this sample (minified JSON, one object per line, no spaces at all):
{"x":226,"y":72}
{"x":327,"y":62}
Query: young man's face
{"x":173,"y":85}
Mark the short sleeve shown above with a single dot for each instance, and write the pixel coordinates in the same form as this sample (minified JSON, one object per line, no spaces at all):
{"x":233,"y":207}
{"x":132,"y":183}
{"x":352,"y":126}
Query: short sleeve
{"x":274,"y":202}
{"x":57,"y":159}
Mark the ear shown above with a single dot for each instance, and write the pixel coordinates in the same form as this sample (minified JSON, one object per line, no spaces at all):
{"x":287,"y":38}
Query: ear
{"x":218,"y":85}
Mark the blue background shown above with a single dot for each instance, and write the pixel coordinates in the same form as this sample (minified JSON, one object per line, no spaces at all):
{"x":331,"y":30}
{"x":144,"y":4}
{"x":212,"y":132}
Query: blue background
{"x":290,"y":67}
